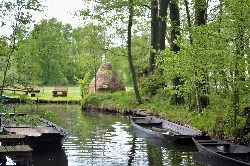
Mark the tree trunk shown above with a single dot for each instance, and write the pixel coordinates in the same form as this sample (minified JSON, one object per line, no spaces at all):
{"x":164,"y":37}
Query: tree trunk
{"x":8,"y":63}
{"x":196,"y":85}
{"x":131,"y":65}
{"x":154,"y":43}
{"x":200,"y":12}
{"x":162,"y":23}
{"x":175,"y":31}
{"x":200,"y":19}
{"x":154,"y":35}
{"x":238,"y":77}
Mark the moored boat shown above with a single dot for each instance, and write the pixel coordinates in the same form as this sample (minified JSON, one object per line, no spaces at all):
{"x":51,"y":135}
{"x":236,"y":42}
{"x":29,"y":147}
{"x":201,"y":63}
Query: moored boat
{"x":163,"y":143}
{"x":44,"y":133}
{"x":164,"y":130}
{"x":231,"y":153}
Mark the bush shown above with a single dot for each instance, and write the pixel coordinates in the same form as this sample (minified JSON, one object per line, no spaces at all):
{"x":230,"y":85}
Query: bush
{"x":120,"y":99}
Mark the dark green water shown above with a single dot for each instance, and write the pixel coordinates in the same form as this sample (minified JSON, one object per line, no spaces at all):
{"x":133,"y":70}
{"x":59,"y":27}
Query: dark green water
{"x":98,"y":139}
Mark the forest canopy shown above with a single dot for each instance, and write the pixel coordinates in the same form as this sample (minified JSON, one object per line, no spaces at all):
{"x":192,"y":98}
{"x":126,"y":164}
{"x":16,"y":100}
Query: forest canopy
{"x":196,"y":50}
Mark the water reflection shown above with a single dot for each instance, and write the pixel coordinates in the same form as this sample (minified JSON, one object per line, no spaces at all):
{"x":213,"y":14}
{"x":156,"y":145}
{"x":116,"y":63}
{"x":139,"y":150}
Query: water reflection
{"x":49,"y":157}
{"x":109,"y":140}
{"x":104,"y":139}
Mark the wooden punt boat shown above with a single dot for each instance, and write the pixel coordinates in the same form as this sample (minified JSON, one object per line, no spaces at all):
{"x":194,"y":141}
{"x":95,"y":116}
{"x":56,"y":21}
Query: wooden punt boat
{"x":45,"y":133}
{"x":231,"y":153}
{"x":163,"y":143}
{"x":164,"y":130}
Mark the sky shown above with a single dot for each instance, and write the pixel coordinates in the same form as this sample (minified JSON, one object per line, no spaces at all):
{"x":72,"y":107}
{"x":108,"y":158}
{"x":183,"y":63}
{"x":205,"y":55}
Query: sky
{"x":61,"y":10}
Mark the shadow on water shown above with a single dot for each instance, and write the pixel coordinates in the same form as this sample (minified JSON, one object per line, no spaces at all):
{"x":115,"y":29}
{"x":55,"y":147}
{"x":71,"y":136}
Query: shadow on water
{"x":49,"y":157}
{"x":199,"y":157}
{"x":40,"y":157}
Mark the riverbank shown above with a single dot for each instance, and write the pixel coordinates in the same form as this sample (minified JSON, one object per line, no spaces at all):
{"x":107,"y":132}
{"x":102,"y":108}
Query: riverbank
{"x":215,"y":123}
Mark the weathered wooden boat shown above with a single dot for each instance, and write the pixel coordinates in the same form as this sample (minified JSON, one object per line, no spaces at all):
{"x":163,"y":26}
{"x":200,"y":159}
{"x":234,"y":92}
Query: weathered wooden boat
{"x":163,"y":143}
{"x":44,"y":133}
{"x":233,"y":154}
{"x":164,"y":130}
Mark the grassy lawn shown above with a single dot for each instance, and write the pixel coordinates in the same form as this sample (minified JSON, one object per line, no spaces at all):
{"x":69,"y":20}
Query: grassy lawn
{"x":46,"y":93}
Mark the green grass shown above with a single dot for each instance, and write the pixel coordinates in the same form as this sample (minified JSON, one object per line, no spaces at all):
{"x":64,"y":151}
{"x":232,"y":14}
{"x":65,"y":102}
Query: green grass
{"x":46,"y":94}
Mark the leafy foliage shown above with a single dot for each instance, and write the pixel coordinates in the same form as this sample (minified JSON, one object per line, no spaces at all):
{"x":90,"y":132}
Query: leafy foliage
{"x":50,"y":116}
{"x":26,"y":119}
{"x":118,"y":99}
{"x":83,"y":84}
{"x":49,"y":47}
{"x":213,"y":60}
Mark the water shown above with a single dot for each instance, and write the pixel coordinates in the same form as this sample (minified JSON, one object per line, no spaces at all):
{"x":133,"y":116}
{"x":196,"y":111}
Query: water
{"x":98,"y":139}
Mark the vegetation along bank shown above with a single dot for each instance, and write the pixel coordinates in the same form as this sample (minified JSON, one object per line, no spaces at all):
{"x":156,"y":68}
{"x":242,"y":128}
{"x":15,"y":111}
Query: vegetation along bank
{"x":216,"y":123}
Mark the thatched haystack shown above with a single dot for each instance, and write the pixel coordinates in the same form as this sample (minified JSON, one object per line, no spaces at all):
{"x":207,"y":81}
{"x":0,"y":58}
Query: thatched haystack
{"x":107,"y":80}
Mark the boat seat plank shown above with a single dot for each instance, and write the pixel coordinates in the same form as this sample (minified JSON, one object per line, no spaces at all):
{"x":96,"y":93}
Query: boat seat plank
{"x":26,"y":148}
{"x":206,"y":141}
{"x":150,"y":124}
{"x":2,"y":149}
{"x":18,"y":148}
{"x":11,"y":137}
{"x":47,"y":130}
{"x":10,"y":148}
{"x":15,"y":136}
{"x":143,"y":122}
{"x":24,"y":126}
{"x":159,"y":129}
{"x":234,"y":154}
{"x":15,"y":150}
{"x":215,"y":144}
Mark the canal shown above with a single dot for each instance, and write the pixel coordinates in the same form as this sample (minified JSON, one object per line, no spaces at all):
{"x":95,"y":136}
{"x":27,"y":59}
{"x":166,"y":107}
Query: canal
{"x":101,"y":139}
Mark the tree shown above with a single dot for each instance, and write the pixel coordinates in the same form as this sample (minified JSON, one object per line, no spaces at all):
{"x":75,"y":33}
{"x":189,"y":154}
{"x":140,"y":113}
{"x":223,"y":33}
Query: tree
{"x":130,"y":23}
{"x":163,"y":4}
{"x":175,"y":32}
{"x":200,"y":19}
{"x":239,"y":11}
{"x":212,"y":45}
{"x":113,"y":17}
{"x":16,"y":15}
{"x":154,"y":36}
{"x":70,"y":69}
{"x":89,"y":43}
{"x":50,"y":48}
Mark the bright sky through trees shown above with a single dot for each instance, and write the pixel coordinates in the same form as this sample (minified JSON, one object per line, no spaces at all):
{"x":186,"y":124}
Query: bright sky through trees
{"x":62,"y":10}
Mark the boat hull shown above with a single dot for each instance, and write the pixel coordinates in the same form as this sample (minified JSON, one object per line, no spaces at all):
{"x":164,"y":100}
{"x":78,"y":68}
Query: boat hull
{"x":168,"y":131}
{"x":231,"y":153}
{"x":163,"y":143}
{"x":44,"y":134}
